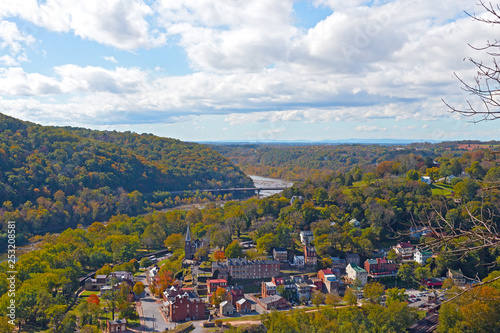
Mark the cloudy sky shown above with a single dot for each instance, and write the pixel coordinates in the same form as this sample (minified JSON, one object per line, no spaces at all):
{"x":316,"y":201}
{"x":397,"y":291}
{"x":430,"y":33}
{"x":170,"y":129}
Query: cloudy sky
{"x":255,"y":70}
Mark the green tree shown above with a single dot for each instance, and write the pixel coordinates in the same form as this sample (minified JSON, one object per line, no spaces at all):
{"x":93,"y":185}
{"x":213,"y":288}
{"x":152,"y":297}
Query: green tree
{"x":139,"y":288}
{"x":234,"y":250}
{"x":395,"y":295}
{"x":145,"y":262}
{"x":373,"y":292}
{"x":174,"y":242}
{"x":350,"y":297}
{"x":318,"y":298}
{"x":406,"y":274}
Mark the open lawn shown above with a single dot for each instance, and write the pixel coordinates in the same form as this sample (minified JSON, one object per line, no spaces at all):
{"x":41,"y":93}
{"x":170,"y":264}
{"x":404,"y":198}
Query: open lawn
{"x":441,"y":189}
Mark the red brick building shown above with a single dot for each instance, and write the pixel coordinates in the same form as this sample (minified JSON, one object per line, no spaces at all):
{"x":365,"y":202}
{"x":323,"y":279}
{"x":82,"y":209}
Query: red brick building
{"x":237,"y":293}
{"x":239,"y":268}
{"x":323,"y":272}
{"x":243,"y":306}
{"x":310,"y":257}
{"x":212,"y":285}
{"x":268,"y":289}
{"x":380,"y":266}
{"x":185,"y":308}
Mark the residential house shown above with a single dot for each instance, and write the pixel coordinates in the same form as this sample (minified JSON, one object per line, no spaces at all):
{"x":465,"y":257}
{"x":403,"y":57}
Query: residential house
{"x":119,"y":325}
{"x":226,"y":308}
{"x":185,"y":307}
{"x":239,"y":268}
{"x":121,"y":276}
{"x":323,"y":272}
{"x":404,"y":250}
{"x":355,"y":272}
{"x":236,"y":293}
{"x":426,"y":179}
{"x":434,"y":282}
{"x":298,"y":261}
{"x":212,"y":285}
{"x":352,"y":258}
{"x":306,"y":237}
{"x":151,"y":274}
{"x":421,"y":256}
{"x":339,"y":264}
{"x":268,"y":289}
{"x":355,"y":223}
{"x":310,"y":257}
{"x":418,"y":232}
{"x":380,"y":267}
{"x":95,"y":284}
{"x":243,"y":306}
{"x":457,"y":276}
{"x":273,"y":302}
{"x":303,"y":291}
{"x":280,"y":254}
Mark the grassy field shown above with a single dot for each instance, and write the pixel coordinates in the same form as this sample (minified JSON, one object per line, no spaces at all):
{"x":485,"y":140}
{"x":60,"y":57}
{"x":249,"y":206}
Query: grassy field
{"x":441,"y":189}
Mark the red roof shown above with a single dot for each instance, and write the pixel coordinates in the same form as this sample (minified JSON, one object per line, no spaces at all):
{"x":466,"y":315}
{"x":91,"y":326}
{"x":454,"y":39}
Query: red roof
{"x":405,"y":245}
{"x":326,"y":271}
{"x":217,"y":281}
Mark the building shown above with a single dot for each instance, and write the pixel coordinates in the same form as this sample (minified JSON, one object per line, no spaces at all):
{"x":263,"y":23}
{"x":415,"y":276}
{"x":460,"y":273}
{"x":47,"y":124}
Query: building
{"x":185,"y":307}
{"x":426,"y":179}
{"x":273,"y":302}
{"x":239,"y":268}
{"x":212,"y":285}
{"x":339,"y":264}
{"x":352,"y":258}
{"x":304,"y":291}
{"x":434,"y":282}
{"x":295,"y":198}
{"x":121,"y":276}
{"x":306,"y":237}
{"x":298,"y":261}
{"x":191,"y":246}
{"x":280,"y":254}
{"x":243,"y":306}
{"x":226,"y":308}
{"x":418,"y":232}
{"x":355,"y":223}
{"x":457,"y":276}
{"x":310,"y":257}
{"x":380,"y":267}
{"x":95,"y":284}
{"x":355,"y":272}
{"x":323,"y":272}
{"x":236,"y":292}
{"x":421,"y":256}
{"x":404,"y":250}
{"x":268,"y":289}
{"x":119,"y":325}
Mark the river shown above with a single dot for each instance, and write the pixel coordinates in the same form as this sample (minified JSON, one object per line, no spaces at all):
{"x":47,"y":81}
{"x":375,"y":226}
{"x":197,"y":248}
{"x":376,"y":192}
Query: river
{"x":269,"y":182}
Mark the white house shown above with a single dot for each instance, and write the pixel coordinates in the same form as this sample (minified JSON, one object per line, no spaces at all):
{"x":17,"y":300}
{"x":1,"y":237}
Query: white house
{"x":306,"y":237}
{"x":355,"y":272}
{"x":355,"y":223}
{"x":421,"y":256}
{"x":298,"y":261}
{"x":226,"y":308}
{"x":426,"y":179}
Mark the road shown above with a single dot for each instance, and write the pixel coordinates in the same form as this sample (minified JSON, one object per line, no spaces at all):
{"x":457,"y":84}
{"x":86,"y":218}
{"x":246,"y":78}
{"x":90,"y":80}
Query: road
{"x":152,"y":319}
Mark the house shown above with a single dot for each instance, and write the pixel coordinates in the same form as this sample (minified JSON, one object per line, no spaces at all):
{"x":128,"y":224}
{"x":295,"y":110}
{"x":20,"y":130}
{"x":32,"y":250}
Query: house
{"x":322,"y":273}
{"x":434,"y":282}
{"x":273,"y":302}
{"x":404,"y":250}
{"x":239,"y":268}
{"x":352,"y":258}
{"x":185,"y":307}
{"x":226,"y":308}
{"x":457,"y":276}
{"x":355,"y":272}
{"x":120,"y":276}
{"x":306,"y":237}
{"x":380,"y":267}
{"x":298,"y":261}
{"x":119,"y":325}
{"x":333,"y":285}
{"x":339,"y":264}
{"x":355,"y":223}
{"x":212,"y":285}
{"x":151,"y":274}
{"x":268,"y":289}
{"x":426,"y":179}
{"x":310,"y":257}
{"x":280,"y":254}
{"x":421,"y":256}
{"x":303,"y":291}
{"x":236,"y":292}
{"x":243,"y":306}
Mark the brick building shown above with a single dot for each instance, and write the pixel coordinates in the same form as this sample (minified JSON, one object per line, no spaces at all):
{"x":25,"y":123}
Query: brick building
{"x":185,"y":307}
{"x":268,"y":289}
{"x":380,"y":266}
{"x":212,"y":285}
{"x":310,"y":257}
{"x":243,"y":306}
{"x":239,"y":268}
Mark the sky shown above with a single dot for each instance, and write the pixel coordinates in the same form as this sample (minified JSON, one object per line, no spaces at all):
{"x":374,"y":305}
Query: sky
{"x":245,"y":70}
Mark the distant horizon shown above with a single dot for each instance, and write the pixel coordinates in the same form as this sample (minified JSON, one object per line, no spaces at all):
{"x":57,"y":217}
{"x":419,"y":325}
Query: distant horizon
{"x":260,"y":70}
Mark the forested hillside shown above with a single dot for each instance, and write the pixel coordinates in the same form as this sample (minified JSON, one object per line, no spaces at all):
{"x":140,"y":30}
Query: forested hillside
{"x":298,"y":162}
{"x":53,"y":177}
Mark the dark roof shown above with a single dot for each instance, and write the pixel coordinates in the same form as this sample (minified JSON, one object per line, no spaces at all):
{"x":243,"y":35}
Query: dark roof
{"x":428,"y":324}
{"x":271,"y":299}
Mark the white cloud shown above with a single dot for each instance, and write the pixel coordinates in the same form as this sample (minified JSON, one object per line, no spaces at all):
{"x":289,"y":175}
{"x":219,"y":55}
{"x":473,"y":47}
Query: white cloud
{"x":366,"y":128}
{"x":121,"y":24}
{"x":15,"y":41}
{"x":110,"y":59}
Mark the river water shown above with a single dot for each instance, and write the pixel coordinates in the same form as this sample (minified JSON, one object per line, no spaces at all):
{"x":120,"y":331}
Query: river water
{"x":269,"y":182}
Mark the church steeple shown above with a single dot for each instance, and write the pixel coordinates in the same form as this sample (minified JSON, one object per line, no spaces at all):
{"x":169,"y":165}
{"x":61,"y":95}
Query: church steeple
{"x":188,"y":235}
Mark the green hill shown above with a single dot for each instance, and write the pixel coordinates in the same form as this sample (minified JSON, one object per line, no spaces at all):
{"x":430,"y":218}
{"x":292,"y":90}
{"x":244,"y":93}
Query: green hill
{"x":56,"y":177}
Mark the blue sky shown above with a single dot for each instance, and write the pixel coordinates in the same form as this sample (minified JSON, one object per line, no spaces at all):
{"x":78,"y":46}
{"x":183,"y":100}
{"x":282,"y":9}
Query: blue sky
{"x":247,"y":70}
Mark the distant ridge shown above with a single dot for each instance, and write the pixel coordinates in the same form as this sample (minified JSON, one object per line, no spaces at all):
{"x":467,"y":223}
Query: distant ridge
{"x":325,"y":142}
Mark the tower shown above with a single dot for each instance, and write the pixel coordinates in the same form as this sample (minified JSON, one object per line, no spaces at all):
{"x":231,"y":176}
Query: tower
{"x":187,"y":245}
